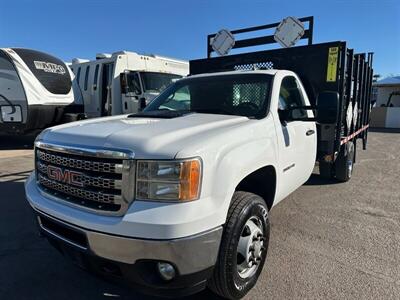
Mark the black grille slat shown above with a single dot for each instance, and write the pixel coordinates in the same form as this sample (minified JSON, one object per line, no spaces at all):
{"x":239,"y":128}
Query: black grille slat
{"x":76,"y":163}
{"x":77,"y":192}
{"x":87,"y":180}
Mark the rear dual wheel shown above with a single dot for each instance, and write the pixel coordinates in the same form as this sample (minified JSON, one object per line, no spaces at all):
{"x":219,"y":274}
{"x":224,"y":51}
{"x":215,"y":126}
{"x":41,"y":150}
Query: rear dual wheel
{"x":342,"y":168}
{"x":344,"y":163}
{"x":243,"y":247}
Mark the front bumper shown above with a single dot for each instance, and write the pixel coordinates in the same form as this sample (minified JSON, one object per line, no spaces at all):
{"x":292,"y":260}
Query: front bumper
{"x":134,"y":261}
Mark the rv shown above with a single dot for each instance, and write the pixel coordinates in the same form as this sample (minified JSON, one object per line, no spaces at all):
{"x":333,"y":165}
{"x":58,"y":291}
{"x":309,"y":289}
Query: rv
{"x":123,"y":82}
{"x":36,"y":91}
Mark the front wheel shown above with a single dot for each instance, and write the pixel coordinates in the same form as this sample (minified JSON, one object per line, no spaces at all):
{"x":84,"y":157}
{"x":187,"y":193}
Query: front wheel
{"x":243,"y":247}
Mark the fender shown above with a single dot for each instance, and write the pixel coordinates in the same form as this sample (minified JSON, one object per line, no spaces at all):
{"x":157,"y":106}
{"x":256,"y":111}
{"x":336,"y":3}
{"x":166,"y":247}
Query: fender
{"x":227,"y":166}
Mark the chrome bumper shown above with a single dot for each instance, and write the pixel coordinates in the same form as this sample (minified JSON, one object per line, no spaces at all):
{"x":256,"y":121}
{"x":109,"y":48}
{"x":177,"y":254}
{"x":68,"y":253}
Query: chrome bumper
{"x":190,"y":254}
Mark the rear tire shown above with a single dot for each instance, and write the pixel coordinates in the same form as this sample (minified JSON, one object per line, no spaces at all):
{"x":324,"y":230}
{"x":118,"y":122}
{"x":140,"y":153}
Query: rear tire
{"x":345,"y":162}
{"x":246,"y":233}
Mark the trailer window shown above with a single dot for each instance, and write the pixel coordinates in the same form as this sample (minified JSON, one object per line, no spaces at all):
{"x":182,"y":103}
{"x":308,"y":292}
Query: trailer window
{"x":290,"y":96}
{"x":11,"y":86}
{"x":96,"y":74}
{"x":157,"y":82}
{"x":242,"y":95}
{"x":78,"y":75}
{"x":86,"y":77}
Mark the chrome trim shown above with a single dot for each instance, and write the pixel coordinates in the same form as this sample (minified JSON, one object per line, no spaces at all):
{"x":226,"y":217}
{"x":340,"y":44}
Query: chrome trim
{"x":128,"y":181}
{"x":98,"y":182}
{"x":73,"y":191}
{"x":189,"y":254}
{"x":86,"y":151}
{"x":127,"y":169}
{"x":56,"y":235}
{"x":59,"y":158}
{"x":121,"y":212}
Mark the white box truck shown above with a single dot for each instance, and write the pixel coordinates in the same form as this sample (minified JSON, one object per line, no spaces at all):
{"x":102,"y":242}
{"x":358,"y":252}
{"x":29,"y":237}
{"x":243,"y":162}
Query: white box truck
{"x":121,"y":82}
{"x":177,"y":197}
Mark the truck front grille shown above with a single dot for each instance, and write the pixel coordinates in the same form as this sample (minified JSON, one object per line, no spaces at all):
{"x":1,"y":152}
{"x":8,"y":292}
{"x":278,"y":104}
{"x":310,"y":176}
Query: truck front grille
{"x":90,"y":182}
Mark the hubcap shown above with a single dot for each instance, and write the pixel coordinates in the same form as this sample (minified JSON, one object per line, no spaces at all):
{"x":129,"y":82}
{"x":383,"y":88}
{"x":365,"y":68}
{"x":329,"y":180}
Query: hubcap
{"x":350,"y":167}
{"x":250,"y":248}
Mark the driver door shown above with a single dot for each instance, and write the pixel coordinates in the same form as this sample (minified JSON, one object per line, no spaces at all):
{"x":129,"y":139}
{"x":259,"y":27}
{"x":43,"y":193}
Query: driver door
{"x":132,"y":93}
{"x":297,"y":139}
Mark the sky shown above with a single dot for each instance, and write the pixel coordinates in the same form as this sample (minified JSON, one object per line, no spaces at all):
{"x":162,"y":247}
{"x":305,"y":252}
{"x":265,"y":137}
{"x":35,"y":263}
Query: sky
{"x":178,"y":28}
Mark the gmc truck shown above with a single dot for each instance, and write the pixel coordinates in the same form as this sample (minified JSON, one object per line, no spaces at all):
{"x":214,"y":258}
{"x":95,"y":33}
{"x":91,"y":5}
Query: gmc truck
{"x":177,"y":198}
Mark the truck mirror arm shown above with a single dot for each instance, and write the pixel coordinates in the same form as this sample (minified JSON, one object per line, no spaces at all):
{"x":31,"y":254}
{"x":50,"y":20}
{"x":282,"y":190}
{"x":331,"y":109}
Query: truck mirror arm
{"x":285,"y":114}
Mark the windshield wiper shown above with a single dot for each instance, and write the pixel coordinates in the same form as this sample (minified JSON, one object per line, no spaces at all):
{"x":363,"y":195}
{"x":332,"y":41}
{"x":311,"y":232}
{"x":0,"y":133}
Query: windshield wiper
{"x":161,"y":113}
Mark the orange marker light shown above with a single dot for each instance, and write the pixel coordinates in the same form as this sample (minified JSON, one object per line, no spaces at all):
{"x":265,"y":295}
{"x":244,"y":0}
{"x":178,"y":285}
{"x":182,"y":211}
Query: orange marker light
{"x":190,"y":178}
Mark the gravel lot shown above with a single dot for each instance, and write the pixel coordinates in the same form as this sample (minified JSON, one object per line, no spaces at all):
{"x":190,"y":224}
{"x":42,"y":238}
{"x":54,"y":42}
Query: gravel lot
{"x":328,"y":240}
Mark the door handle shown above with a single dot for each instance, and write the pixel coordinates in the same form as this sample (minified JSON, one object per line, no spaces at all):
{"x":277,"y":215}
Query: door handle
{"x":310,"y":132}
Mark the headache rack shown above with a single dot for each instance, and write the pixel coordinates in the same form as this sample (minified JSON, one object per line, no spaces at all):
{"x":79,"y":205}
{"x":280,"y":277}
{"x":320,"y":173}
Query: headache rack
{"x":321,"y":67}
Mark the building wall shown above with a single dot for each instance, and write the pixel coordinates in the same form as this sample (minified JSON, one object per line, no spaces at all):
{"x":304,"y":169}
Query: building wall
{"x":384,"y":93}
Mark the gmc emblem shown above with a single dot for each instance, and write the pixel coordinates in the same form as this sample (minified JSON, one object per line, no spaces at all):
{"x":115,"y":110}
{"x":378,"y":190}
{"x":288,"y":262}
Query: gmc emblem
{"x":65,"y":176}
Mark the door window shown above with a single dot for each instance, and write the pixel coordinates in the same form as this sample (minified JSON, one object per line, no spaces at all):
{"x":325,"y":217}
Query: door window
{"x":86,"y":78}
{"x":78,"y":75}
{"x":134,"y":83}
{"x":290,"y":96}
{"x":96,"y":74}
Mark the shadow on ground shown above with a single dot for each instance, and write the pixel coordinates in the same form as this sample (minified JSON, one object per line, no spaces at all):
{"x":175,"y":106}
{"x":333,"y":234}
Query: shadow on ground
{"x":317,"y":179}
{"x":31,"y":261}
{"x":8,"y":142}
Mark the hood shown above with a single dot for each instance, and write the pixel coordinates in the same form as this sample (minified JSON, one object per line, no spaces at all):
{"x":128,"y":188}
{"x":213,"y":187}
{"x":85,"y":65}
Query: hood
{"x":147,"y":137}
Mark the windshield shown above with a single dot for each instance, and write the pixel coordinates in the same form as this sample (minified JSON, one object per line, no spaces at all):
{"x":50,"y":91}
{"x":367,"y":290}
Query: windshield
{"x":157,"y":82}
{"x":239,"y":94}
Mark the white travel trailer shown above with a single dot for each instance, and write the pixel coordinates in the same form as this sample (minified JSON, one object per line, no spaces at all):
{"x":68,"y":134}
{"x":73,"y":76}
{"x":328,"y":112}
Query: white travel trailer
{"x":36,"y":91}
{"x":122,"y":82}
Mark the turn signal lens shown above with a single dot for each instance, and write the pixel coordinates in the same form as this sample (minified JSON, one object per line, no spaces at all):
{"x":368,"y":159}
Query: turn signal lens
{"x":190,"y":180}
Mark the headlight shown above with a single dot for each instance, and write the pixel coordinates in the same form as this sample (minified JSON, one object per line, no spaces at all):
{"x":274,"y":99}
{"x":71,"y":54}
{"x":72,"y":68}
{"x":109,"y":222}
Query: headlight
{"x":173,"y":180}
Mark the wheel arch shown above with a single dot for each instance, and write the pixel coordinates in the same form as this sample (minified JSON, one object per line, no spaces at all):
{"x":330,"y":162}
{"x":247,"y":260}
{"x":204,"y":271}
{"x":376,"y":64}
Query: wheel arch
{"x":261,"y":182}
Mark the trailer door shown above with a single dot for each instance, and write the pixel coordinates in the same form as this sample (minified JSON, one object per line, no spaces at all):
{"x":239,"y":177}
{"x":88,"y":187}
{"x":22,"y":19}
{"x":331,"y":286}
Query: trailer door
{"x":106,"y":89}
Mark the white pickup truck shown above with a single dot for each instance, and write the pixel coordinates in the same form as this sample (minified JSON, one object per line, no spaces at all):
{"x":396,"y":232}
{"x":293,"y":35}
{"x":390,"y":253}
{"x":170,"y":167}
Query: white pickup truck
{"x":177,"y":197}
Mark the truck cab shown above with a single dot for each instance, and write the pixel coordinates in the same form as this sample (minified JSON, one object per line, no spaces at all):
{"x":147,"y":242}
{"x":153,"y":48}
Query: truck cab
{"x":117,"y":83}
{"x":177,"y":197}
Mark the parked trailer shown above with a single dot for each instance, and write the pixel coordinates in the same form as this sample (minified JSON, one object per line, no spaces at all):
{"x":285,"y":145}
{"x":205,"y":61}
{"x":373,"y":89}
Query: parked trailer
{"x":321,"y":67}
{"x":36,"y":91}
{"x":117,"y":83}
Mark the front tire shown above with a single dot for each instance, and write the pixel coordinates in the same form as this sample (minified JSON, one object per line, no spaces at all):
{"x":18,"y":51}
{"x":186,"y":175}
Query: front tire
{"x":244,"y":247}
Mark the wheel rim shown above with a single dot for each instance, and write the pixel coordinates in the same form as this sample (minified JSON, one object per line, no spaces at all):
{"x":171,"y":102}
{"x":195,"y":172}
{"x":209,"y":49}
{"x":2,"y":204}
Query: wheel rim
{"x":250,"y":248}
{"x":350,"y":167}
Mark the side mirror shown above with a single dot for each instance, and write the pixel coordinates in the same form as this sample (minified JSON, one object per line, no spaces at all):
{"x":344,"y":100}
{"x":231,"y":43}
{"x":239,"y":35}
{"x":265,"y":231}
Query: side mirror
{"x":327,"y":108}
{"x":142,"y":103}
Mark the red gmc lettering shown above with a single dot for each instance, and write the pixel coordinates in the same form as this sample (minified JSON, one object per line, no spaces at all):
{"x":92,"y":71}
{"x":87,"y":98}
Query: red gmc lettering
{"x":65,"y":176}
